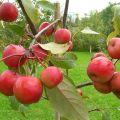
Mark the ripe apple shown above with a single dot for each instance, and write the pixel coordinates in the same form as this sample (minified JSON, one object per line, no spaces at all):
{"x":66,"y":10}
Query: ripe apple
{"x":8,"y":12}
{"x":114,"y":48}
{"x":80,"y":92}
{"x":102,"y":87}
{"x":39,"y":52}
{"x":115,"y":82}
{"x":62,"y":36}
{"x":47,"y":32}
{"x":70,"y":45}
{"x":14,"y":56}
{"x":100,"y":69}
{"x":7,"y":81}
{"x":27,"y":89}
{"x":51,"y":76}
{"x":99,"y":54}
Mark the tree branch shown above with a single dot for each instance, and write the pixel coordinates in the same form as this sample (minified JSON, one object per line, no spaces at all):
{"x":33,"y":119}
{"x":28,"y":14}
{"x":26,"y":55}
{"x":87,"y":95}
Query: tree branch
{"x":84,"y":84}
{"x":65,"y":13}
{"x":32,"y":26}
{"x":37,"y":36}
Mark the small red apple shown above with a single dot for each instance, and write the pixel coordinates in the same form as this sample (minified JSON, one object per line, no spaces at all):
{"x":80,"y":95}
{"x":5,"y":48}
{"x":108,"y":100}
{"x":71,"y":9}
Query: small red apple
{"x":115,"y":82}
{"x":100,"y":69}
{"x":62,"y":36}
{"x":114,"y":48}
{"x":99,"y":54}
{"x":27,"y":89}
{"x":47,"y":32}
{"x":39,"y":52}
{"x":51,"y":76}
{"x":8,"y":12}
{"x":7,"y":81}
{"x":102,"y":87}
{"x":13,"y":56}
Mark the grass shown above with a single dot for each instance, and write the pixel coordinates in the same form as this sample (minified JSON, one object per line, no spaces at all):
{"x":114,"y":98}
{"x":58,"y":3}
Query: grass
{"x":43,"y":110}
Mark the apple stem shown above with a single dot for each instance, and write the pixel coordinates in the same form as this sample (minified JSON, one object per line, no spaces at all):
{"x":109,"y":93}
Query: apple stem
{"x":84,"y":84}
{"x":11,"y":56}
{"x":116,"y":61}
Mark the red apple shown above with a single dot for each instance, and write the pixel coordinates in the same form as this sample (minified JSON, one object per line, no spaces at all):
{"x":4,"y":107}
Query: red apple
{"x":100,"y":69}
{"x":99,"y":54}
{"x":27,"y":89}
{"x":47,"y":32}
{"x":102,"y":87}
{"x":51,"y":76}
{"x":70,"y":45}
{"x":39,"y":52}
{"x":8,"y":12}
{"x":115,"y":82}
{"x":7,"y":81}
{"x":14,"y":56}
{"x":114,"y":48}
{"x":62,"y":36}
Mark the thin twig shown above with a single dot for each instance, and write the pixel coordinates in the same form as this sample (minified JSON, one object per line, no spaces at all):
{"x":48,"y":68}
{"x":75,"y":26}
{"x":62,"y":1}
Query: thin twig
{"x":84,"y":84}
{"x":65,"y":13}
{"x":116,"y":61}
{"x":42,"y":31}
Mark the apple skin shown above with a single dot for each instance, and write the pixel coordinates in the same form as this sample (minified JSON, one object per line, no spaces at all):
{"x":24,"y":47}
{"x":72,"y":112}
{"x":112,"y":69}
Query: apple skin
{"x":115,"y":82}
{"x":114,"y":48}
{"x":100,"y":69}
{"x":62,"y":36}
{"x":49,"y":31}
{"x":39,"y":52}
{"x":99,"y":54}
{"x":102,"y":87}
{"x":27,"y":89}
{"x":70,"y":45}
{"x":51,"y":76}
{"x":14,"y":61}
{"x":8,"y":12}
{"x":7,"y":81}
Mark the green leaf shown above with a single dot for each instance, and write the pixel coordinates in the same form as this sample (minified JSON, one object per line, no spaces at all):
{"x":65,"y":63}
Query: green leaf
{"x":17,"y":106}
{"x":66,"y":61}
{"x":105,"y":116}
{"x":14,"y":103}
{"x":111,"y":35}
{"x":19,"y":30}
{"x":32,"y":12}
{"x":66,"y":100}
{"x":55,"y":48}
{"x":62,"y":118}
{"x":116,"y":18}
{"x":47,"y":5}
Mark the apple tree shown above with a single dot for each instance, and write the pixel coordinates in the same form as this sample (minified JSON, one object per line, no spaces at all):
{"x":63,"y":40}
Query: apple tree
{"x":49,"y":47}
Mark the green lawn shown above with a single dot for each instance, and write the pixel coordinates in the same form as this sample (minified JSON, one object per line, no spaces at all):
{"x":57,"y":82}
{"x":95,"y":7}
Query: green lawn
{"x":43,"y":110}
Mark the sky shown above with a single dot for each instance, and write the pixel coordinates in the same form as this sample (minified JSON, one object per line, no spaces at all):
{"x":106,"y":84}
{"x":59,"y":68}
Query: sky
{"x":85,"y":6}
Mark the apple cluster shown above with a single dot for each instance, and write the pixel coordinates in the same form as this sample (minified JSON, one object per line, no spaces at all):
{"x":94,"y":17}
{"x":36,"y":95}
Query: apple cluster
{"x":102,"y":72}
{"x":26,"y":88}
